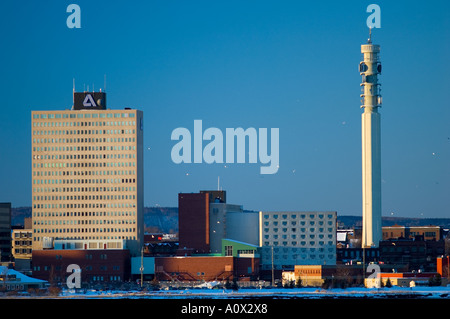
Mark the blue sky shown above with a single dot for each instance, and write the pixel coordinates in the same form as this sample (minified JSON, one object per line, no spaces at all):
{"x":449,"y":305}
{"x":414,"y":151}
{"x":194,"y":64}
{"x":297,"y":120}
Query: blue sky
{"x":263,"y":64}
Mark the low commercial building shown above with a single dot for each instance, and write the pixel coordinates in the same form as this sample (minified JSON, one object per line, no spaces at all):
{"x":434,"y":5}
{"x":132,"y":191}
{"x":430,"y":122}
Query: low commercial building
{"x":313,"y":275}
{"x":22,"y":241}
{"x":99,"y":261}
{"x":12,"y":280}
{"x":410,"y":232}
{"x":205,"y":268}
{"x":407,"y":279}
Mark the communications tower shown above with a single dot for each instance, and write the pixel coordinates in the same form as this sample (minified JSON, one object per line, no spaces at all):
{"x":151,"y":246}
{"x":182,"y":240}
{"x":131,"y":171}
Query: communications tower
{"x":369,"y":69}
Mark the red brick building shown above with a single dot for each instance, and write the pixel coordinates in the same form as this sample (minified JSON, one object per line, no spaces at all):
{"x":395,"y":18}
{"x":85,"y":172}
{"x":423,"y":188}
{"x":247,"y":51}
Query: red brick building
{"x":206,"y":268}
{"x":193,"y":220}
{"x":97,"y":265}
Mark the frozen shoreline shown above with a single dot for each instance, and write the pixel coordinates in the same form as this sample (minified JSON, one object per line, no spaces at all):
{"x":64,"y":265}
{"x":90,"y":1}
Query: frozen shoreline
{"x":276,"y":293}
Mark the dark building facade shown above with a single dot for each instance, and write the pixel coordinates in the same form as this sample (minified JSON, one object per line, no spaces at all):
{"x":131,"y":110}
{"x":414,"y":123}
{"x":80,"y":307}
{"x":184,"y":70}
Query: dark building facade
{"x":356,"y":255}
{"x":100,"y":265}
{"x":415,"y":254}
{"x":5,"y":232}
{"x":193,"y":220}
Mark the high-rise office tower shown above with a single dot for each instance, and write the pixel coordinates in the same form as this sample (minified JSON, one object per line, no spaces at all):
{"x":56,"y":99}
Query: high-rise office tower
{"x":87,"y":173}
{"x":369,"y":68}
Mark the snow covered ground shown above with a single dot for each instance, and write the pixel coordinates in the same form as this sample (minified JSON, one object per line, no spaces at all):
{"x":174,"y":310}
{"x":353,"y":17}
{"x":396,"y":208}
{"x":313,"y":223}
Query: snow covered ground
{"x":276,"y":293}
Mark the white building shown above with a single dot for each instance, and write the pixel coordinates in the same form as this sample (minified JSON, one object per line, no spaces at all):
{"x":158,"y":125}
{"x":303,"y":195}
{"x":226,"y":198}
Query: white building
{"x":297,"y":238}
{"x":232,"y":222}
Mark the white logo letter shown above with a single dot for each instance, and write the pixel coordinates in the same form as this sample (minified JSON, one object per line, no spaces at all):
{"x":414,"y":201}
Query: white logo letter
{"x":264,"y":157}
{"x":375,"y":274}
{"x":183,"y":145}
{"x":374,"y":20}
{"x":74,"y":280}
{"x":216,"y":145}
{"x":89,"y":101}
{"x":74,"y":20}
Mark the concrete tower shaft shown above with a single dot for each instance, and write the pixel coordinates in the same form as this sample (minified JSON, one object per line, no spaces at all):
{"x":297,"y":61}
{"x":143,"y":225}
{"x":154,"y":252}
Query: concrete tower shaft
{"x":369,"y":68}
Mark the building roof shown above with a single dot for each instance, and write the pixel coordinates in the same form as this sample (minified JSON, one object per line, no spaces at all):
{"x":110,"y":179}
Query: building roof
{"x":240,"y":242}
{"x":5,"y":271}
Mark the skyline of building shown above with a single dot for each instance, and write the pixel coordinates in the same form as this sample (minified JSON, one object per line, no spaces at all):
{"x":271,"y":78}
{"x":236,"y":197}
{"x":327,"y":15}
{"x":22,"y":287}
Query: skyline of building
{"x":87,"y":173}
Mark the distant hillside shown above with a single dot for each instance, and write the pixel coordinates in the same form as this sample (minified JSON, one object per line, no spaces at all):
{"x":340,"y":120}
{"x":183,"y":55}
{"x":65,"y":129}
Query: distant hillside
{"x":356,"y":221}
{"x":161,"y":220}
{"x":156,"y":219}
{"x":165,"y":220}
{"x":18,"y":214}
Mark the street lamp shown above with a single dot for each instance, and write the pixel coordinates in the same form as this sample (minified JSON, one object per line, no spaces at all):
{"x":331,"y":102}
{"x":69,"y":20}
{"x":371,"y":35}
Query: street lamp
{"x":141,"y":269}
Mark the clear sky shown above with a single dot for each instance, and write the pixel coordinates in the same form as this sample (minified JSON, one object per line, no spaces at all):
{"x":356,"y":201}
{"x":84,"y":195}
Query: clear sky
{"x":290,"y":65}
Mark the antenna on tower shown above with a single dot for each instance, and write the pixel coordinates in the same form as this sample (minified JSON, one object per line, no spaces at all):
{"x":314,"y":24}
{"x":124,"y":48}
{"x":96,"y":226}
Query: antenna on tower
{"x":73,"y":95}
{"x":104,"y":82}
{"x":369,"y":40}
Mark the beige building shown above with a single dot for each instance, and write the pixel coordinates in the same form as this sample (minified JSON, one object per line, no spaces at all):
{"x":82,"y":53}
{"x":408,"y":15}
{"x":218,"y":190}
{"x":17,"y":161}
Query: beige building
{"x":87,"y":173}
{"x":22,"y":243}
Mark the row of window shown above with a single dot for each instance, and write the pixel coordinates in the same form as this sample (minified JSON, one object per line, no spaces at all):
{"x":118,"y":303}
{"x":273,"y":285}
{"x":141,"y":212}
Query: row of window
{"x":267,"y":251}
{"x":74,"y":124}
{"x":87,"y":205}
{"x":81,"y":132}
{"x":294,"y":236}
{"x":294,"y":223}
{"x":85,"y":165}
{"x":22,"y":251}
{"x":82,"y":214}
{"x":85,"y":173}
{"x":82,"y":197}
{"x":23,"y":242}
{"x":84,"y":156}
{"x":85,"y":181}
{"x":85,"y":222}
{"x":82,"y":189}
{"x":100,"y":278}
{"x":98,"y":237}
{"x":302,"y":257}
{"x":26,"y":234}
{"x":81,"y":115}
{"x":296,"y":215}
{"x":82,"y":148}
{"x":301,"y":243}
{"x":85,"y":140}
{"x":83,"y":230}
{"x":301,"y":229}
